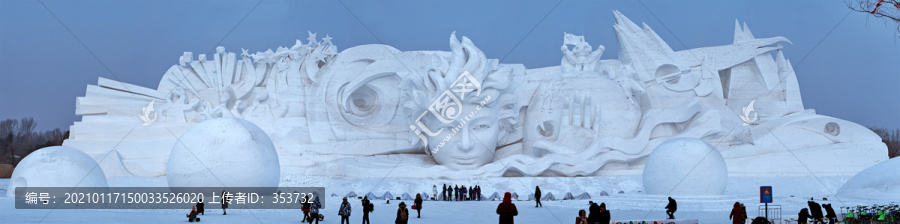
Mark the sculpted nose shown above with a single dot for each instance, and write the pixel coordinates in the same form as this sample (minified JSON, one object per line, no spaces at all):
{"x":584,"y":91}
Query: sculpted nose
{"x":465,"y":141}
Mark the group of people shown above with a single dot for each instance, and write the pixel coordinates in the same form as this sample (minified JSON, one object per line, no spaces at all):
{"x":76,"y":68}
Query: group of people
{"x":815,"y":213}
{"x":199,"y":208}
{"x":459,"y":193}
{"x":368,"y":207}
{"x":738,"y":213}
{"x":311,"y":209}
{"x":599,"y":215}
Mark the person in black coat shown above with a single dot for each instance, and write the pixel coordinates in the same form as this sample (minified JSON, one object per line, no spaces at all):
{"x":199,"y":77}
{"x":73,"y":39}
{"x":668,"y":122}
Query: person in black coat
{"x":816,"y":211}
{"x":367,"y":207}
{"x":444,"y":192}
{"x":803,"y":216}
{"x":537,"y":196}
{"x":830,"y":215}
{"x":418,"y":203}
{"x":200,"y":206}
{"x":456,"y":192}
{"x":671,"y":208}
{"x":594,"y":217}
{"x":604,"y":214}
{"x":225,"y":202}
{"x":746,"y":216}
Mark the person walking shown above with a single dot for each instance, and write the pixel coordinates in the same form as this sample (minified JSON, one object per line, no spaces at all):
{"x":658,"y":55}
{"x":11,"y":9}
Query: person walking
{"x":344,"y":212}
{"x":671,"y":208}
{"x":402,"y":214}
{"x":737,"y":214}
{"x":746,"y":215}
{"x":507,"y":210}
{"x":434,"y":190}
{"x":305,"y":207}
{"x":418,"y":203}
{"x":367,"y":207}
{"x":225,"y":202}
{"x":582,"y":217}
{"x":314,"y":210}
{"x":456,"y":192}
{"x":537,"y":196}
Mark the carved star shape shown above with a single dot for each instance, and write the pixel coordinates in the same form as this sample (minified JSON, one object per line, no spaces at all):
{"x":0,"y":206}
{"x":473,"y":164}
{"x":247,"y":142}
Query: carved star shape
{"x":312,"y":37}
{"x":326,"y":40}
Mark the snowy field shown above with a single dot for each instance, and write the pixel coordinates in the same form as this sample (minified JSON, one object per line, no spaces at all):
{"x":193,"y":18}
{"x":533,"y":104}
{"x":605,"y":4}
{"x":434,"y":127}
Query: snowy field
{"x":630,"y":205}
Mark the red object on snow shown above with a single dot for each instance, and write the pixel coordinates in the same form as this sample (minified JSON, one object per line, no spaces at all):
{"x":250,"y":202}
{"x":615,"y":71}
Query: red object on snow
{"x":193,"y":212}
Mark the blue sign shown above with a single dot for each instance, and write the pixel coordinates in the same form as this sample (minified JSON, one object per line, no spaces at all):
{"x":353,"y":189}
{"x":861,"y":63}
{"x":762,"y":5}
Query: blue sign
{"x":765,"y":194}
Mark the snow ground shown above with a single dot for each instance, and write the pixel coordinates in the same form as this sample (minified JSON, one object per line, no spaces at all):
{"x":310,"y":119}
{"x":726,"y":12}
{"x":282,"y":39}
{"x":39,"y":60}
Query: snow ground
{"x":631,"y":205}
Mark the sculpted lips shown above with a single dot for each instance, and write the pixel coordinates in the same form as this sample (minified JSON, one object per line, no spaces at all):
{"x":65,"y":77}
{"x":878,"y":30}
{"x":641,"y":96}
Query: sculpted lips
{"x":465,"y":160}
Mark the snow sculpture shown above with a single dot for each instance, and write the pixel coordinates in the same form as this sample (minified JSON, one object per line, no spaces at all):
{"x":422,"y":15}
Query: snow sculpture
{"x":582,"y":57}
{"x":223,"y":152}
{"x":879,"y":182}
{"x":56,"y":166}
{"x":373,"y":110}
{"x":473,"y":99}
{"x":685,"y":166}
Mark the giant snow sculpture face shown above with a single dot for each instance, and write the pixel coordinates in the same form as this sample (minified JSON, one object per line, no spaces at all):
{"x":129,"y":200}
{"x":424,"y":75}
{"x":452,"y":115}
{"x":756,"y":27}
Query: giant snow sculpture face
{"x":470,"y":141}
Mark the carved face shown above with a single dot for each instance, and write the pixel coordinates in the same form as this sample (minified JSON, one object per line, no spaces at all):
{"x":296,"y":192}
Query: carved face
{"x":224,"y":98}
{"x":470,"y":146}
{"x":582,"y":49}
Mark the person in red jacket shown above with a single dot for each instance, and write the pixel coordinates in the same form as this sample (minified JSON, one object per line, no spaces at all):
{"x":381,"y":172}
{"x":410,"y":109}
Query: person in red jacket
{"x":507,"y":209}
{"x":737,"y":214}
{"x":192,"y":216}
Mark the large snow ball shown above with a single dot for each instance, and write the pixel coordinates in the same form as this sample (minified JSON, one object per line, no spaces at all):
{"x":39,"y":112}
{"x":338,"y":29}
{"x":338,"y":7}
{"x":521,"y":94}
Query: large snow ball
{"x":223,"y":152}
{"x":878,"y":182}
{"x":685,"y":166}
{"x":56,"y":166}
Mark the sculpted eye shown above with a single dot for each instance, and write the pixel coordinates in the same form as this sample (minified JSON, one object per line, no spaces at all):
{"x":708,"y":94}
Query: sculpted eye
{"x":482,"y":126}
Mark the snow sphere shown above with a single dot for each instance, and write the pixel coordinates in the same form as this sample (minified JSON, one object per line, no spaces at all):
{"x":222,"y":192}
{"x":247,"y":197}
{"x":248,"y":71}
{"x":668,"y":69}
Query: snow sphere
{"x":223,"y":152}
{"x":56,"y":166}
{"x":878,"y":182}
{"x":698,"y":163}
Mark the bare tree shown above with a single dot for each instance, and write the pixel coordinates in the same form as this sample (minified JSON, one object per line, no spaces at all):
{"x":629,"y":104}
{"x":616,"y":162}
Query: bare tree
{"x":887,"y":10}
{"x":891,"y":139}
{"x":8,"y":126}
{"x":26,"y":126}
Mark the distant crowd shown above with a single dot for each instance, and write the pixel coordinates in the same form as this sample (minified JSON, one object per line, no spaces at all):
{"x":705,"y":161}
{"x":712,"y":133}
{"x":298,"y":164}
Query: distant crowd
{"x":458,"y":193}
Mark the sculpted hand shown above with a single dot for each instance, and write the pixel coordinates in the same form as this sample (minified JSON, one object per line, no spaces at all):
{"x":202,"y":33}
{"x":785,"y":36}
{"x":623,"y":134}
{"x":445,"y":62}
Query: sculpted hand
{"x":578,"y":127}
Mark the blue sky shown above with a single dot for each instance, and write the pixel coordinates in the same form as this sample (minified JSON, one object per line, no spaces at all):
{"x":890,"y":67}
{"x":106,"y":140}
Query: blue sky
{"x":847,"y":63}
